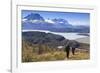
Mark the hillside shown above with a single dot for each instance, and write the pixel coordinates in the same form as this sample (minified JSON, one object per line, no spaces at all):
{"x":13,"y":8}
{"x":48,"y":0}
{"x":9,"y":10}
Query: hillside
{"x":36,"y":37}
{"x":41,"y":46}
{"x":84,"y":40}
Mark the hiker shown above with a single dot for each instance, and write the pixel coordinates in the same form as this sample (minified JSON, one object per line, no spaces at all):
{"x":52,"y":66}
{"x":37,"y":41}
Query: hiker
{"x":73,"y":50}
{"x":74,"y":46}
{"x":67,"y":50}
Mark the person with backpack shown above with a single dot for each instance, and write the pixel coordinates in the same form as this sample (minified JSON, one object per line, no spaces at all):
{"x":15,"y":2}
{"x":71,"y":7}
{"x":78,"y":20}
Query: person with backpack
{"x":67,"y":50}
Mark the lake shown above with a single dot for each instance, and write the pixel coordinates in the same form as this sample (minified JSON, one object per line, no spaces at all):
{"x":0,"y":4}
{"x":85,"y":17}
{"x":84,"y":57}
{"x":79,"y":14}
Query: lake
{"x":70,"y":36}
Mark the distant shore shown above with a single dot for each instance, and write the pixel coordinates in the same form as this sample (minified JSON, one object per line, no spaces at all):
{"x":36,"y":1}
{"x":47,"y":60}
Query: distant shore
{"x":84,"y":40}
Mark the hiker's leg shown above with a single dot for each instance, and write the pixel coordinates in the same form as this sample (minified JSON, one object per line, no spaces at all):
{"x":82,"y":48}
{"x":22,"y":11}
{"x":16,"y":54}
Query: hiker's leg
{"x":73,"y":51}
{"x":67,"y":53}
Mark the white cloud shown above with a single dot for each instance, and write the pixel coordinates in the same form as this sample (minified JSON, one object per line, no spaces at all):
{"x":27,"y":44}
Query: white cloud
{"x":79,"y":23}
{"x":49,"y":21}
{"x":61,"y":22}
{"x":24,"y":20}
{"x":35,"y":21}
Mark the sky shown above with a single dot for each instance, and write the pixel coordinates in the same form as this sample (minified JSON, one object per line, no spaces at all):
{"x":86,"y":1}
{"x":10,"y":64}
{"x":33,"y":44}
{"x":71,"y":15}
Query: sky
{"x":74,"y":18}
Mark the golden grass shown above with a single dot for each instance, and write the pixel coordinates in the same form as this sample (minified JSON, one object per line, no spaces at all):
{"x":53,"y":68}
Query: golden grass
{"x":80,"y":56}
{"x":45,"y":57}
{"x":58,"y":55}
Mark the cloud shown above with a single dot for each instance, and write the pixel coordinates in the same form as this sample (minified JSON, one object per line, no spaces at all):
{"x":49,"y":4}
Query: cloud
{"x":79,"y":23}
{"x":49,"y":21}
{"x":24,"y":20}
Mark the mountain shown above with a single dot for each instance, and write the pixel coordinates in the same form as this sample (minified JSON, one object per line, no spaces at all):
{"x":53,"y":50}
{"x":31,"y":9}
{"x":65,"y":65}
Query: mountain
{"x":61,"y":21}
{"x":33,"y":16}
{"x":36,"y":37}
{"x":82,"y":29}
{"x":35,"y":21}
{"x":50,"y":39}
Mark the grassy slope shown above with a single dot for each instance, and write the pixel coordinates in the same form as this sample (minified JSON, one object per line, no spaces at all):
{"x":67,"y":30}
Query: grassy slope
{"x":30,"y":54}
{"x":80,"y":54}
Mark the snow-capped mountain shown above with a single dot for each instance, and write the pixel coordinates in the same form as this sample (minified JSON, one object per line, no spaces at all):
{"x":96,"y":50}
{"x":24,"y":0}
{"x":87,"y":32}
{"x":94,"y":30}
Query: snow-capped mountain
{"x":35,"y":21}
{"x":33,"y":16}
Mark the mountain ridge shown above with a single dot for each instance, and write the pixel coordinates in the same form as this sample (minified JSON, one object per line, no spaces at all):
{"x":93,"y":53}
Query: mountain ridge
{"x":37,"y":22}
